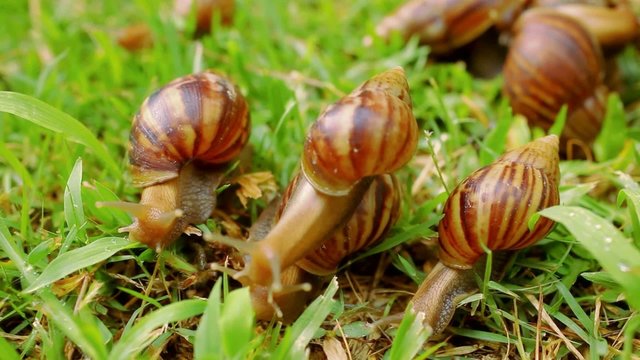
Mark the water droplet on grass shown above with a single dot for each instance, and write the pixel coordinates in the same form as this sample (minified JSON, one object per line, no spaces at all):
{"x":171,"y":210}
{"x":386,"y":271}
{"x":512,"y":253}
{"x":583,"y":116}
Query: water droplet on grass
{"x":624,"y":267}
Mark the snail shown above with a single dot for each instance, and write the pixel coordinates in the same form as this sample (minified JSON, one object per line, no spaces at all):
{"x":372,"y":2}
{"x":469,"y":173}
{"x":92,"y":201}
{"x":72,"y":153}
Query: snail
{"x":489,"y":209}
{"x":445,"y":25}
{"x":205,"y":11}
{"x":181,"y":140}
{"x":375,"y":214}
{"x":370,"y":132}
{"x":140,"y":36}
{"x":553,"y":61}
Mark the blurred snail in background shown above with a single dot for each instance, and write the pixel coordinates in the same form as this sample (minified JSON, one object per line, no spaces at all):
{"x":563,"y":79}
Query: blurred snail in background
{"x":376,"y":213}
{"x":370,"y":132}
{"x":139,"y":36}
{"x":445,"y":25}
{"x":181,"y":140}
{"x":554,"y":55}
{"x":489,"y":209}
{"x":205,"y":10}
{"x":553,"y":61}
{"x":456,"y":30}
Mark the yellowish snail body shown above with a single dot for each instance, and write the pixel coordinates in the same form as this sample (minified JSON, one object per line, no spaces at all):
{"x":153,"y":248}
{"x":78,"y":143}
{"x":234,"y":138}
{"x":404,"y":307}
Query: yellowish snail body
{"x":375,"y":214}
{"x":370,"y":132}
{"x":181,"y":140}
{"x":489,"y":209}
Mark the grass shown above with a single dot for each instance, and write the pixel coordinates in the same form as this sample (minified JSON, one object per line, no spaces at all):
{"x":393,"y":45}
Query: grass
{"x":72,"y":287}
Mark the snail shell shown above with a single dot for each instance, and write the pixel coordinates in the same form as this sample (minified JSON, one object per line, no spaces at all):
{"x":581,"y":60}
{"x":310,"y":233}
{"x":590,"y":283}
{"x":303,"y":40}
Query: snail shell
{"x":371,"y":131}
{"x":200,"y":118}
{"x":553,"y":61}
{"x":372,"y":219}
{"x":492,"y":206}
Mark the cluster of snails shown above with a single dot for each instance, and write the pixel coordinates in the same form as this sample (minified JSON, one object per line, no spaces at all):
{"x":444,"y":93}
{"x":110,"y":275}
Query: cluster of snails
{"x":344,"y":198}
{"x":554,"y":56}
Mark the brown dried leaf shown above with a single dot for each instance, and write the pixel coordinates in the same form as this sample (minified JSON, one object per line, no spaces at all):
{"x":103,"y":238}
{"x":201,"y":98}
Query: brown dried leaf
{"x":64,"y":286}
{"x":252,"y":186}
{"x":333,"y":349}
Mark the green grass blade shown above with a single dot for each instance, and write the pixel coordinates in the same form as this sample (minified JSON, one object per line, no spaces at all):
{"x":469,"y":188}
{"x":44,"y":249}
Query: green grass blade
{"x":77,"y":259}
{"x":632,"y":197}
{"x":82,"y":329}
{"x":586,"y":322}
{"x":614,"y":252}
{"x":410,"y":337}
{"x":237,"y":321}
{"x":560,"y":120}
{"x":14,"y":253}
{"x":207,"y":344}
{"x":7,"y":350}
{"x":407,"y":233}
{"x":226,"y":329}
{"x":142,"y":333}
{"x":612,"y":136}
{"x":495,"y":141}
{"x":73,"y":211}
{"x":297,"y":337}
{"x":48,"y":117}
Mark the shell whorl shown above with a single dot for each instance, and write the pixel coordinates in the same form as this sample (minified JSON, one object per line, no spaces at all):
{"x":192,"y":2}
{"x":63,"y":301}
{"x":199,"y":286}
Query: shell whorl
{"x":371,"y":131}
{"x":553,"y":61}
{"x":372,"y":219}
{"x":493,"y":205}
{"x":201,"y":118}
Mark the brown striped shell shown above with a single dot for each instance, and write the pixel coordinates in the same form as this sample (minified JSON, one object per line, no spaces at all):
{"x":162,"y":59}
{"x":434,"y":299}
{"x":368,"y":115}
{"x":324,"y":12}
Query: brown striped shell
{"x":371,"y":131}
{"x":492,"y":206}
{"x":555,"y":61}
{"x":374,"y":216}
{"x":201,"y":118}
{"x":448,"y":24}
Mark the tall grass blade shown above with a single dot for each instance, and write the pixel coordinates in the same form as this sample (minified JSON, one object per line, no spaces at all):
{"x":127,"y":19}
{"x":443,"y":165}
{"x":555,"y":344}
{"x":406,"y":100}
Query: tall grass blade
{"x":77,"y":259}
{"x":143,"y":333}
{"x":410,"y":337}
{"x":48,"y":117}
{"x":297,"y":337}
{"x":614,"y":252}
{"x":73,"y":211}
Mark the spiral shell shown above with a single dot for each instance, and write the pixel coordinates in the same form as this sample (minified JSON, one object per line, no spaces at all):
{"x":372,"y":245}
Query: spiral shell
{"x":555,"y":61}
{"x":371,"y":131}
{"x":448,"y":24}
{"x":200,"y":118}
{"x":372,"y":219}
{"x":492,"y":206}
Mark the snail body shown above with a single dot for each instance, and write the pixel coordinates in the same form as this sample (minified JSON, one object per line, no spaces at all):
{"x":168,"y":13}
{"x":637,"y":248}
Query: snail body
{"x":181,"y":139}
{"x":489,"y":209}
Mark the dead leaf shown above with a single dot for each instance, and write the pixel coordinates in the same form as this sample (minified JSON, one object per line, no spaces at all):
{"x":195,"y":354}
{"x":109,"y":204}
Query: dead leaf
{"x":251,"y":186}
{"x":333,"y":349}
